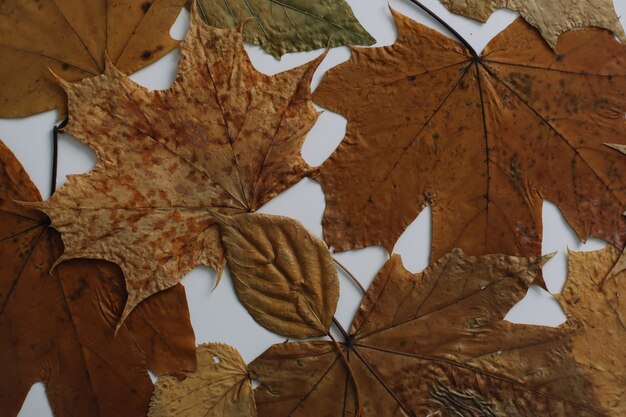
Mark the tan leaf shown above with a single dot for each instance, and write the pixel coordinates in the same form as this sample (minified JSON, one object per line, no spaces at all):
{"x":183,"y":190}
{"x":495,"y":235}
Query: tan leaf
{"x":220,"y":387}
{"x":618,"y":267}
{"x":283,"y":275}
{"x":550,"y":17}
{"x":223,"y":138}
{"x":482,"y":140}
{"x":617,"y":147}
{"x":433,"y":344}
{"x":597,"y":307}
{"x":71,"y":39}
{"x":58,"y":327}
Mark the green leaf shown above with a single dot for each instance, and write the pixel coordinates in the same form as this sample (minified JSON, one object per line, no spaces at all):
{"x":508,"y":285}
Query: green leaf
{"x":282,"y":26}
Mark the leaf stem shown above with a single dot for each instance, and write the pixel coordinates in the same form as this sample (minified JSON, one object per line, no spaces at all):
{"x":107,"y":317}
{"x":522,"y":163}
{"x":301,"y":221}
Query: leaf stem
{"x":448,"y":27}
{"x":350,"y":275}
{"x":55,"y":154}
{"x":343,"y":332}
{"x":346,"y":362}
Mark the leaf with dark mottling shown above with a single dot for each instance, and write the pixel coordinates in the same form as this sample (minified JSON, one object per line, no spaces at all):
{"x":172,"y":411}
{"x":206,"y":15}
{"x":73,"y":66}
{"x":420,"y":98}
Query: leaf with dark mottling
{"x":283,"y":275}
{"x":71,"y":38}
{"x":596,"y":306}
{"x":224,"y":138}
{"x":59,"y":327}
{"x":482,"y":140}
{"x":282,"y":26}
{"x":433,"y":344}
{"x":221,"y":387}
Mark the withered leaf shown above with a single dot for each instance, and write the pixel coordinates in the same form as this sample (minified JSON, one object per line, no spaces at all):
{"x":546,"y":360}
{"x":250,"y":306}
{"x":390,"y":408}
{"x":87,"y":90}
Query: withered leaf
{"x":283,"y":275}
{"x":433,"y":344}
{"x":71,"y":38}
{"x":481,"y":140}
{"x":618,"y":268}
{"x":223,"y":138}
{"x":220,"y":387}
{"x":550,"y":17}
{"x":288,"y":26}
{"x":59,"y":327}
{"x":595,"y":305}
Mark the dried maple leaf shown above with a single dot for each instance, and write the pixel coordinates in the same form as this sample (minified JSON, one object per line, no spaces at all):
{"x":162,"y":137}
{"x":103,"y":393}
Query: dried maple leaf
{"x":433,"y":344}
{"x":59,"y":328}
{"x":223,"y":138}
{"x":550,"y":17}
{"x":618,"y":268}
{"x":483,"y":140}
{"x":221,"y":387}
{"x":597,"y":307}
{"x":71,"y":38}
{"x":288,"y":25}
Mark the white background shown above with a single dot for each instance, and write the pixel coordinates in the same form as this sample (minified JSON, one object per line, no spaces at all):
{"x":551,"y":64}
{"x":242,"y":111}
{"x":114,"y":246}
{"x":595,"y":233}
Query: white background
{"x":217,"y":315}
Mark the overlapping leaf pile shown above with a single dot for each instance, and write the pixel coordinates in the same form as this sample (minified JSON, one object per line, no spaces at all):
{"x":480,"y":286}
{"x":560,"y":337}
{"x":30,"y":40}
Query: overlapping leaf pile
{"x":481,"y":139}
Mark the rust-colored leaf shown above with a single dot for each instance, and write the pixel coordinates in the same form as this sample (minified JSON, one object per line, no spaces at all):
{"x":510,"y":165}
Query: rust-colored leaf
{"x":71,"y":39}
{"x":59,"y":327}
{"x":596,"y":306}
{"x":433,"y":344}
{"x":482,"y":140}
{"x":283,"y":275}
{"x":223,"y":138}
{"x":550,"y":17}
{"x":220,"y":387}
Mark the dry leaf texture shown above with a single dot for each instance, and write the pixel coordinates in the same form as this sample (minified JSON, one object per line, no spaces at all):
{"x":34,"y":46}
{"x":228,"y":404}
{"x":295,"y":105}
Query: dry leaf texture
{"x":220,"y":387}
{"x":433,"y":344}
{"x":223,"y":138}
{"x":550,"y":17}
{"x":481,"y":140}
{"x":71,"y":39}
{"x":598,"y":308}
{"x":282,"y":26}
{"x":59,"y":327}
{"x":283,"y":275}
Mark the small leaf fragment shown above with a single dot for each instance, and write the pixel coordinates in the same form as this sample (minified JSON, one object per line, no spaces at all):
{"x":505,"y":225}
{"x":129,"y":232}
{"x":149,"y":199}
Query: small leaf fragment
{"x":550,"y":17}
{"x":288,"y":25}
{"x":283,"y":275}
{"x":220,"y":387}
{"x":595,"y":306}
{"x":618,"y":147}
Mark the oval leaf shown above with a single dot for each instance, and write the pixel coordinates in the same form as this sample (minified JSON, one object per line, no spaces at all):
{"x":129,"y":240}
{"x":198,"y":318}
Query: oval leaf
{"x":280,"y":27}
{"x":283,"y":275}
{"x":220,"y":387}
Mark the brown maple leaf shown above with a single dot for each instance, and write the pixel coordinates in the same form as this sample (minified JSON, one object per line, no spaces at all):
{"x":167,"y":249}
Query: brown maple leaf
{"x":71,"y":38}
{"x":433,"y":344}
{"x":597,"y":308}
{"x":59,"y":327}
{"x":550,"y":17}
{"x":223,"y":138}
{"x":481,"y":139}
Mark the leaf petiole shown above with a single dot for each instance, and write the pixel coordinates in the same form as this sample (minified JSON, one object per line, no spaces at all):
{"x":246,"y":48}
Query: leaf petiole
{"x":55,"y":153}
{"x":450,"y":29}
